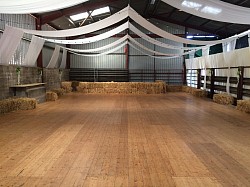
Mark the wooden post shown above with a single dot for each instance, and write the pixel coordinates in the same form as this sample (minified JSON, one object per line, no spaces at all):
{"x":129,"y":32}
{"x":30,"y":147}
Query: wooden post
{"x":198,"y":78}
{"x":212,"y":83}
{"x":68,"y":58}
{"x":40,"y":56}
{"x":240,"y":83}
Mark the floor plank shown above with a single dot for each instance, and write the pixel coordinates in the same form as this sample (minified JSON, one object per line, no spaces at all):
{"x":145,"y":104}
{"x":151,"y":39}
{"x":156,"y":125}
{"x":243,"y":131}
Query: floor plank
{"x":125,"y":140}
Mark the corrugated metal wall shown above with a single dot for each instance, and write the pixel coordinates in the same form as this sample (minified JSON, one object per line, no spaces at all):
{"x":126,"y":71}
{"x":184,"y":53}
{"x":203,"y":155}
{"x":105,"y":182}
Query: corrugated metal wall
{"x":137,"y":60}
{"x":20,"y":21}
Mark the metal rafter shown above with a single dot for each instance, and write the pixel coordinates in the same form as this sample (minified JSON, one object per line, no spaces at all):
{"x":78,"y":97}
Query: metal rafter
{"x":74,"y":10}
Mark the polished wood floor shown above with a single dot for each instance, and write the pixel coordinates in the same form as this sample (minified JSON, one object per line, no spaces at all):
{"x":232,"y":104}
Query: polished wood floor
{"x":126,"y":140}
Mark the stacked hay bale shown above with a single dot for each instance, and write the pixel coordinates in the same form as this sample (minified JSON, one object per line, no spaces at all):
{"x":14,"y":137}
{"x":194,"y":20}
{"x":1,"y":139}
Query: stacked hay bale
{"x":13,"y":104}
{"x":74,"y":85}
{"x":51,"y":96}
{"x":243,"y":105}
{"x":224,"y":99}
{"x":66,"y":86}
{"x":174,"y":88}
{"x":58,"y":91}
{"x":198,"y":92}
{"x":122,"y":87}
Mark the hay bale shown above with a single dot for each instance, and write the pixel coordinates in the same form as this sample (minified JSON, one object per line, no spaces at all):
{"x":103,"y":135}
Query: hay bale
{"x":224,"y":99}
{"x":174,"y":88}
{"x":187,"y":89}
{"x":51,"y":96}
{"x":74,"y":85}
{"x":8,"y":105}
{"x":66,"y":86}
{"x":59,"y":91}
{"x":198,"y":93}
{"x":243,"y":105}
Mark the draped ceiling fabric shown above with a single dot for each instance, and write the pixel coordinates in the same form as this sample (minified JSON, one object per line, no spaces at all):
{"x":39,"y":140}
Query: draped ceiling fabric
{"x":8,"y":44}
{"x":115,"y":18}
{"x":34,"y":50}
{"x":54,"y":59}
{"x":94,"y":38}
{"x":64,"y":59}
{"x":104,"y":53}
{"x":117,"y":42}
{"x":214,"y":10}
{"x":35,"y":6}
{"x":128,"y":11}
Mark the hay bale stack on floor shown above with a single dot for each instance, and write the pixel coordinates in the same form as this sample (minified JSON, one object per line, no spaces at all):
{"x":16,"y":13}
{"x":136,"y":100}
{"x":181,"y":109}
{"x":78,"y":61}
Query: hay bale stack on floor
{"x":243,"y":105}
{"x":224,"y":99}
{"x":74,"y":85}
{"x":122,"y":87}
{"x":13,"y":104}
{"x":59,"y":91}
{"x":174,"y":88}
{"x":66,"y":86}
{"x":187,"y":89}
{"x":51,"y":96}
{"x":198,"y":93}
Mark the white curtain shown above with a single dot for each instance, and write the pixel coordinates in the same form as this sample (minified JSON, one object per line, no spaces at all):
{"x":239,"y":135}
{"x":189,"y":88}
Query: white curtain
{"x":115,"y":18}
{"x":35,"y":6}
{"x":205,"y":53}
{"x":94,"y":38}
{"x":104,"y":53}
{"x":156,"y":42}
{"x":54,"y":59}
{"x":150,"y":55}
{"x":8,"y":44}
{"x":117,"y":42}
{"x":227,"y":47}
{"x":34,"y":50}
{"x":64,"y":59}
{"x":213,"y":10}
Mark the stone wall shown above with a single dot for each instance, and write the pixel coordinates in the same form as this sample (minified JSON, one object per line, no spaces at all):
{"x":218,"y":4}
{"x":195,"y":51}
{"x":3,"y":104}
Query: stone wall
{"x":8,"y":77}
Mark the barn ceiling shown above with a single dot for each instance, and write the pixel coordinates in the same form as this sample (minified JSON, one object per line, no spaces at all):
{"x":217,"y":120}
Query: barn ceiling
{"x":149,"y":9}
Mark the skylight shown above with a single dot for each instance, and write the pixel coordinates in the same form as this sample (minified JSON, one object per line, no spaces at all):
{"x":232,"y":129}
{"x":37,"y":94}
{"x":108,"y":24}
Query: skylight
{"x":100,"y":11}
{"x":191,"y":4}
{"x":79,"y":16}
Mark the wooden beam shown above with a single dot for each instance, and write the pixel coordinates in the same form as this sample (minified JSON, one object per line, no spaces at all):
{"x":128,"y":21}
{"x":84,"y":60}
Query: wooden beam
{"x":240,"y":83}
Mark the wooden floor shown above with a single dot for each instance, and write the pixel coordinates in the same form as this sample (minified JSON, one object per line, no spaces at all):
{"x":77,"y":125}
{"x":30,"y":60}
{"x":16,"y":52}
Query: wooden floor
{"x":126,"y":140}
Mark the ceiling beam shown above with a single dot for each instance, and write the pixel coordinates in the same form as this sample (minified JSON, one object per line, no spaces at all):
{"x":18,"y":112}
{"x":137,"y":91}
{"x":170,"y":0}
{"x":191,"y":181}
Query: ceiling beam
{"x":157,"y":2}
{"x":146,"y":8}
{"x":74,"y":10}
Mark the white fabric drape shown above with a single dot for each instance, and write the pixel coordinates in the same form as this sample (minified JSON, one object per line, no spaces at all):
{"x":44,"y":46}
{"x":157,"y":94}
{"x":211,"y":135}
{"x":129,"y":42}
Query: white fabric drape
{"x":35,"y":6}
{"x":115,"y":18}
{"x":64,"y":59}
{"x":150,"y":55}
{"x":227,"y":47}
{"x":117,"y":42}
{"x":104,"y":53}
{"x":156,"y":42}
{"x":205,"y":53}
{"x":54,"y":59}
{"x":213,"y":10}
{"x":8,"y":44}
{"x":34,"y":50}
{"x":191,"y":58}
{"x":94,"y":38}
{"x":154,"y":29}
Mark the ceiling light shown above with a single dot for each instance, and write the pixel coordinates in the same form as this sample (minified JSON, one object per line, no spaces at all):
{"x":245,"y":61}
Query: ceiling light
{"x":100,"y":11}
{"x":79,"y":16}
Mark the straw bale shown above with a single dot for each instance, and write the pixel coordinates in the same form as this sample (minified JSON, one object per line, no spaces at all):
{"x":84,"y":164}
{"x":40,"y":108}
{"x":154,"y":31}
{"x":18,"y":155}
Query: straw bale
{"x":224,"y":99}
{"x":8,"y":105}
{"x":67,"y":87}
{"x":122,"y":87}
{"x":51,"y":96}
{"x":174,"y":88}
{"x":199,"y":93}
{"x":59,"y":91}
{"x":243,"y":105}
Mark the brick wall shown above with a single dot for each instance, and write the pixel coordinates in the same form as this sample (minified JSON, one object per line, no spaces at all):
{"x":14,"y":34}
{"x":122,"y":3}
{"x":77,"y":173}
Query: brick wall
{"x":8,"y":77}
